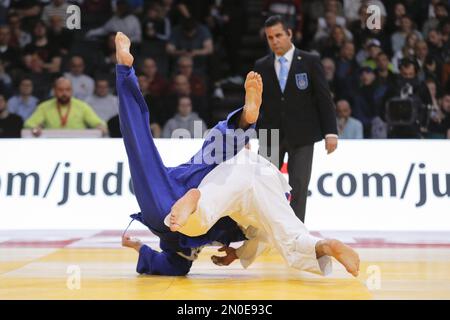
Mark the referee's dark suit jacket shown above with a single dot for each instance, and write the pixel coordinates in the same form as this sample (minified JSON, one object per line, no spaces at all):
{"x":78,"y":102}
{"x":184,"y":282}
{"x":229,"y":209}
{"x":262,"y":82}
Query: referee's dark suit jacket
{"x":305,"y":112}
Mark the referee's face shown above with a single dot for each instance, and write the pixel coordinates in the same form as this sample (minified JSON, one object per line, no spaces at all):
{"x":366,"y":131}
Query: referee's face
{"x":279,"y":40}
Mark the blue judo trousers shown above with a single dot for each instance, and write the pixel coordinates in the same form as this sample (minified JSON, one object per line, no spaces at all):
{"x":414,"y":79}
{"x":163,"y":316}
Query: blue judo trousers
{"x":158,"y":187}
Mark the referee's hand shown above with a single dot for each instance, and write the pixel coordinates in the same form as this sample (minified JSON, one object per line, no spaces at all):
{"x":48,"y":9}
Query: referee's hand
{"x":331,"y":144}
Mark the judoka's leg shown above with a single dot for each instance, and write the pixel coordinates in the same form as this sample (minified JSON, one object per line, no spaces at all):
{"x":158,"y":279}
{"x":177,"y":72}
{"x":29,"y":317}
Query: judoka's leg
{"x":149,"y":175}
{"x":230,"y":136}
{"x":157,"y":263}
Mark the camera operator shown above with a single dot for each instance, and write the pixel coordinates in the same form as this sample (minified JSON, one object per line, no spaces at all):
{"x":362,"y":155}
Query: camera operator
{"x":406,"y":107}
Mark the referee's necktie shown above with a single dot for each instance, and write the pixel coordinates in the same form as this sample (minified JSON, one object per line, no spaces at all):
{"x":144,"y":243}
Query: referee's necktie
{"x":282,"y":78}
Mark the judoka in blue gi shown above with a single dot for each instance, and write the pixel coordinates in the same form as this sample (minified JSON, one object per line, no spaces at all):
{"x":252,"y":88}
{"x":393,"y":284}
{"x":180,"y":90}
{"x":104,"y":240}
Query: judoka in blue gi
{"x":158,"y":187}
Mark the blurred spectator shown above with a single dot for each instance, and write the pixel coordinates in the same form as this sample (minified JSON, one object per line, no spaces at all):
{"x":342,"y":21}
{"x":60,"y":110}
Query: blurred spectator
{"x":56,"y":8}
{"x":95,"y":13}
{"x":329,"y":68}
{"x":157,"y":84}
{"x":10,"y":123}
{"x":384,"y":70}
{"x":29,"y":11}
{"x":407,"y":26}
{"x":186,"y":67}
{"x":24,"y":103}
{"x":60,"y":35}
{"x":40,"y":77}
{"x":82,"y":84}
{"x":373,"y":50}
{"x":191,"y":39}
{"x":228,"y":22}
{"x":155,"y":104}
{"x":42,"y":49}
{"x":156,"y":26}
{"x":348,"y":127}
{"x":328,"y":23}
{"x":123,"y":21}
{"x":19,"y":37}
{"x":408,"y":50}
{"x":440,"y":15}
{"x":439,"y":125}
{"x":5,"y":81}
{"x":181,"y":87}
{"x":368,"y":102}
{"x":8,"y":55}
{"x":64,"y":112}
{"x":102,"y":101}
{"x":191,"y":125}
{"x":332,"y":45}
{"x":394,"y":20}
{"x":346,"y":72}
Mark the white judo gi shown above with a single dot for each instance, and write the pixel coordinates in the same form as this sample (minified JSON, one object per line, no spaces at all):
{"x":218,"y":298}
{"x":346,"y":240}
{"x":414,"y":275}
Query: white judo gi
{"x":252,"y":191}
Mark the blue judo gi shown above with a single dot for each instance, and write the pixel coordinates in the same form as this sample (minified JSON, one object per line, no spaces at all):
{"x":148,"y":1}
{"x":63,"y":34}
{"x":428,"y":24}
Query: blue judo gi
{"x":158,"y":187}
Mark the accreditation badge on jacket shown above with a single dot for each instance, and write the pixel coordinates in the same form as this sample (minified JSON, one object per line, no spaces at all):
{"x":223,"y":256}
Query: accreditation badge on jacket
{"x":301,"y":79}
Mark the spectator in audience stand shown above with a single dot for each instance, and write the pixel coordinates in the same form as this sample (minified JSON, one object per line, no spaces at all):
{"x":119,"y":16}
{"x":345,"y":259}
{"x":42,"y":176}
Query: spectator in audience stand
{"x":82,"y":84}
{"x":368,"y":102}
{"x":123,"y":21}
{"x":398,"y":39}
{"x":185,"y":66}
{"x":108,"y":63}
{"x":155,"y":104}
{"x":24,"y":103}
{"x":408,"y":81}
{"x":9,"y":55}
{"x":394,"y":20}
{"x":346,"y":72}
{"x":227,"y":21}
{"x":437,"y":49}
{"x":95,"y":13}
{"x":6,"y":84}
{"x":439,"y":124}
{"x":186,"y":123}
{"x":384,"y":70}
{"x":407,"y":51}
{"x":421,"y":55}
{"x":373,"y":50}
{"x":348,"y":127}
{"x":29,"y":11}
{"x":440,"y":15}
{"x":64,"y":112}
{"x":156,"y":26}
{"x":331,"y":46}
{"x":56,"y":8}
{"x":328,"y":23}
{"x":329,"y":68}
{"x":40,"y":77}
{"x":57,"y":33}
{"x":194,"y":40}
{"x":103,"y":102}
{"x":10,"y":123}
{"x":43,"y":49}
{"x":157,"y":84}
{"x":181,"y":87}
{"x":19,"y":37}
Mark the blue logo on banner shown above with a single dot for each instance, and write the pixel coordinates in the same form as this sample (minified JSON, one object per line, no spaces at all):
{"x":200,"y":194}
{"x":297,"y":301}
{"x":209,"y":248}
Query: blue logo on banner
{"x":301,"y":79}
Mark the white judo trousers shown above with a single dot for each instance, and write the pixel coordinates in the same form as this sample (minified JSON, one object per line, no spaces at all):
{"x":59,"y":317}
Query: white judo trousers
{"x":252,"y":191}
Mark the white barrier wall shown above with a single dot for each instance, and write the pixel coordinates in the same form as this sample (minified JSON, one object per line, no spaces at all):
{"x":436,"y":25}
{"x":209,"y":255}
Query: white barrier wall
{"x":364,"y":185}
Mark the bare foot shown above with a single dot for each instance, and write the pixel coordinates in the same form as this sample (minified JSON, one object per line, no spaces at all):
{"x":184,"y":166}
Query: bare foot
{"x":253,"y":96}
{"x":183,"y":208}
{"x":348,"y":257}
{"x":123,"y":54}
